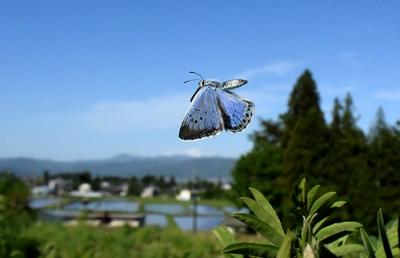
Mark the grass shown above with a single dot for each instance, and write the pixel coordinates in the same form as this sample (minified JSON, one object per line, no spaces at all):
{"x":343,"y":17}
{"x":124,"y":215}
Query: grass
{"x":57,"y":240}
{"x":61,"y":241}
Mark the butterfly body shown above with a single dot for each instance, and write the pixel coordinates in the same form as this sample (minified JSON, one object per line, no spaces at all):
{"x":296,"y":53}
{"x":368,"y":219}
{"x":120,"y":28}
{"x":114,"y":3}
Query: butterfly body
{"x":215,"y":108}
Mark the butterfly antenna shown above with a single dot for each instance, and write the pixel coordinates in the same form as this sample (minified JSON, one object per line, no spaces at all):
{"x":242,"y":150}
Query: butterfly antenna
{"x":198,"y":75}
{"x":191,"y":80}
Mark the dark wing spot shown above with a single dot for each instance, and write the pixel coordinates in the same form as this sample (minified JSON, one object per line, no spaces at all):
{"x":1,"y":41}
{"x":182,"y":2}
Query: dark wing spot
{"x":244,"y":120}
{"x":195,"y":121}
{"x":247,"y":115}
{"x":201,"y":118}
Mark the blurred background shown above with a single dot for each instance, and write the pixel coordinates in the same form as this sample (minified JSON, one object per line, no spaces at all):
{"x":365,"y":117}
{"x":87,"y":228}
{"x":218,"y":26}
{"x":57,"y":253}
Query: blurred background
{"x":92,"y":98}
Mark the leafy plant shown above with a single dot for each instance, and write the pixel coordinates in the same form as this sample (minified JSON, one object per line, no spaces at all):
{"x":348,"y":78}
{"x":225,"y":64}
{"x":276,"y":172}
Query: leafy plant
{"x":389,"y":239}
{"x":14,"y":219}
{"x":314,"y":234}
{"x":60,"y":241}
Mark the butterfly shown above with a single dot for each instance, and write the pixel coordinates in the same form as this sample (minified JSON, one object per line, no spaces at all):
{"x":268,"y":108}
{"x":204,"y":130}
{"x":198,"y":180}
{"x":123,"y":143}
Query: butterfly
{"x":215,"y":108}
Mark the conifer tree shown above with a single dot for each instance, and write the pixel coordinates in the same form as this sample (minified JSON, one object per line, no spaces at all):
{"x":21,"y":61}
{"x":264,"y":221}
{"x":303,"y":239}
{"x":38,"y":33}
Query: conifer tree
{"x":305,"y":137}
{"x":384,"y":159}
{"x":336,"y":152}
{"x":354,"y":146}
{"x":337,"y":119}
{"x":349,"y":168}
{"x":262,"y":165}
{"x":364,"y":171}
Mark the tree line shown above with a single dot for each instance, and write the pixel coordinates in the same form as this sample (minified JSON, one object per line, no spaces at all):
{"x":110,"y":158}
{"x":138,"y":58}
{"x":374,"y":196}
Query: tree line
{"x":362,"y":167}
{"x":167,"y":185}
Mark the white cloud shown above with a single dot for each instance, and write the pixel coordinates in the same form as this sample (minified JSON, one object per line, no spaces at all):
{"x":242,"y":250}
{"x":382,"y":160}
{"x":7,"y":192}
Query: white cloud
{"x":277,"y":68}
{"x":154,"y":113}
{"x":159,"y":113}
{"x":192,"y":152}
{"x":393,"y":94}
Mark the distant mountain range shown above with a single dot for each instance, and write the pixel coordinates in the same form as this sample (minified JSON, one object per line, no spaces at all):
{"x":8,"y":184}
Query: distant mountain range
{"x":124,"y":165}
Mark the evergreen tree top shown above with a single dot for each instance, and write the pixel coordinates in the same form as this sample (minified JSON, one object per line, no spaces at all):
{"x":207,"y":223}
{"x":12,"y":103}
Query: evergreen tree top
{"x":349,"y":121}
{"x":337,"y":118}
{"x":304,"y":96}
{"x":303,"y":105}
{"x":380,"y":124}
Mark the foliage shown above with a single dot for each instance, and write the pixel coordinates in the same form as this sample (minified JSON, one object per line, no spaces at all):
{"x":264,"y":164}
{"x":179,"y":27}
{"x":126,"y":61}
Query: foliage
{"x":338,"y":155}
{"x":260,"y":167}
{"x":389,"y":239}
{"x":313,"y":233}
{"x":14,"y":218}
{"x":305,"y":137}
{"x":15,"y":192}
{"x":212,"y":190}
{"x":135,"y":187}
{"x":152,"y":242}
{"x":347,"y":170}
{"x":385,"y":162}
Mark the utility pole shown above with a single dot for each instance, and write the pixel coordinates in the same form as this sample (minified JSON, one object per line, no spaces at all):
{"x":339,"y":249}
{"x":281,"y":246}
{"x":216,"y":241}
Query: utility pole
{"x":193,"y":195}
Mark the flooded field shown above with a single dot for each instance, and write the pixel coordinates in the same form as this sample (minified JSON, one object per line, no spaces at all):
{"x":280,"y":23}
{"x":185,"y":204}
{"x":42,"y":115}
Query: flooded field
{"x":207,"y":216}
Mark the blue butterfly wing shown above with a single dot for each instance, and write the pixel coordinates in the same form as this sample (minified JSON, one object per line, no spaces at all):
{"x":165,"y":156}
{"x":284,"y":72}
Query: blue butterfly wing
{"x":236,"y":112}
{"x":203,"y":118}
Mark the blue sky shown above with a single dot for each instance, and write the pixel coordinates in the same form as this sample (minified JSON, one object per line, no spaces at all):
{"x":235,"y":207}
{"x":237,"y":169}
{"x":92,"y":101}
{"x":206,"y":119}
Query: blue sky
{"x":92,"y":79}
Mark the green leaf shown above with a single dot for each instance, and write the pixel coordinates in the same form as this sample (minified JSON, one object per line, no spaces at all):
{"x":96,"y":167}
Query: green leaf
{"x":319,"y":202}
{"x":398,"y":232}
{"x":263,"y":202}
{"x":338,"y":204}
{"x":310,"y":196}
{"x":338,"y":242}
{"x":224,"y":235}
{"x":383,"y":235}
{"x":262,"y":214}
{"x":336,"y":228}
{"x":259,"y":250}
{"x":319,"y":224}
{"x":302,"y":187}
{"x":264,"y":229}
{"x":17,"y":254}
{"x":374,"y":242}
{"x":347,"y":249}
{"x":391,"y":231}
{"x":226,"y":238}
{"x":367,"y":244}
{"x":284,"y":250}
